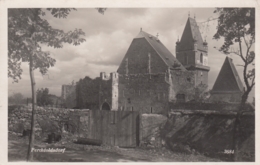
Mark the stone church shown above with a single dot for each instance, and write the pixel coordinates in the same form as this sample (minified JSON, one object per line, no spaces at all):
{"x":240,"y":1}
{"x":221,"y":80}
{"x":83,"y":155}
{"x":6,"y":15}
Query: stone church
{"x":150,"y":77}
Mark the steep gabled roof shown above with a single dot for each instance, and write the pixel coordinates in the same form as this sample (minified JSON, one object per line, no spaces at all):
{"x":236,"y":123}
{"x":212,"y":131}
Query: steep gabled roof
{"x":228,"y":79}
{"x":190,"y":33}
{"x":162,"y":51}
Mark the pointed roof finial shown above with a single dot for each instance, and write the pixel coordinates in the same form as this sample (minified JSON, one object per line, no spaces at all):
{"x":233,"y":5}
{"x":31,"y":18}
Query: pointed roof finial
{"x":189,"y":14}
{"x":194,"y":16}
{"x":178,"y":38}
{"x":140,"y":29}
{"x":157,"y":35}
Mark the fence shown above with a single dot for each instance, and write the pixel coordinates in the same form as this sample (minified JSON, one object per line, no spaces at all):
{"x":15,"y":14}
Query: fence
{"x":116,"y":128}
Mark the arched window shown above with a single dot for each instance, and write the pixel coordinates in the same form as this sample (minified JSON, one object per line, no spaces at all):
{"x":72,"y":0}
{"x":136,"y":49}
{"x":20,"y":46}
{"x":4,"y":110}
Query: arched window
{"x":105,"y":106}
{"x":201,"y":58}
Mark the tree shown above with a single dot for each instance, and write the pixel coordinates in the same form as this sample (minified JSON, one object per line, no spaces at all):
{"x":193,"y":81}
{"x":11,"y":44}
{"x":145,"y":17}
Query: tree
{"x":16,"y":98}
{"x":237,"y":26}
{"x":27,"y":31}
{"x":87,"y":93}
{"x":43,"y":97}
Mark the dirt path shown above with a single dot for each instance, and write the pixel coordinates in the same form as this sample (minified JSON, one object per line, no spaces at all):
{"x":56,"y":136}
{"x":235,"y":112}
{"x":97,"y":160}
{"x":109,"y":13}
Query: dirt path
{"x":17,"y":149}
{"x":17,"y":152}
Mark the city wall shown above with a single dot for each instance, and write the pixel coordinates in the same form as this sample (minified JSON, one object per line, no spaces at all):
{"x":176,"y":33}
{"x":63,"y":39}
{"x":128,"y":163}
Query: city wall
{"x":207,"y":132}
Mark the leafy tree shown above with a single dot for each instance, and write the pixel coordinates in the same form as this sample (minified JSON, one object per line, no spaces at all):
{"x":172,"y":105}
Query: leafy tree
{"x":28,"y":30}
{"x":237,"y":26}
{"x":87,"y":93}
{"x":43,"y":97}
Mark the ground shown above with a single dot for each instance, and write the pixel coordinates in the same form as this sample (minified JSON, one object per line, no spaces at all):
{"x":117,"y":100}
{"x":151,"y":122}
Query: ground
{"x":17,"y":149}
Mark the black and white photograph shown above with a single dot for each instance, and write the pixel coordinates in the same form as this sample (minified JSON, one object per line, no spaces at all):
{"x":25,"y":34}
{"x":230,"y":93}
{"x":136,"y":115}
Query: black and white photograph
{"x":130,"y":84}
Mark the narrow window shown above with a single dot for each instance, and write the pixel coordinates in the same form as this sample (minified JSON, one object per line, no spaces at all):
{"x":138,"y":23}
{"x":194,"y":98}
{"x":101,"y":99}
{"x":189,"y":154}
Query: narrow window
{"x":151,"y":109}
{"x":201,"y":58}
{"x":149,"y":63}
{"x":129,"y":100}
{"x":132,"y":108}
{"x":139,"y":92}
{"x":123,"y":93}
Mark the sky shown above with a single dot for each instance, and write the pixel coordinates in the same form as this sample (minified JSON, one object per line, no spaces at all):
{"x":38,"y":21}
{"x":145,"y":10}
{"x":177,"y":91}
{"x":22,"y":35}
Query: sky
{"x":108,"y":38}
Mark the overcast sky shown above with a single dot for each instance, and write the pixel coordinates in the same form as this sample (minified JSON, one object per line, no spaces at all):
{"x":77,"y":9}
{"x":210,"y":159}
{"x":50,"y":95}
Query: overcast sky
{"x":109,"y":36}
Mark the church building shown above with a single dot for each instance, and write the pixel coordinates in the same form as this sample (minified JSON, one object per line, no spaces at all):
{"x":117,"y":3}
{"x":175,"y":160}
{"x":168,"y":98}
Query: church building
{"x":150,"y":76}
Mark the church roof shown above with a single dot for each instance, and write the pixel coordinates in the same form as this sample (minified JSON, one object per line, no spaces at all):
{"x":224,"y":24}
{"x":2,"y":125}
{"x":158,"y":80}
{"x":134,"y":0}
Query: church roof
{"x":191,"y":32}
{"x":162,"y":51}
{"x":228,"y":79}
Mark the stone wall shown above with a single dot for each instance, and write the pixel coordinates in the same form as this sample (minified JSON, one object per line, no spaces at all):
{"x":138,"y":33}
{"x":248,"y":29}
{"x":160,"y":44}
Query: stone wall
{"x":183,"y":82}
{"x":201,"y":77}
{"x":209,"y":106}
{"x":210,"y":133}
{"x":48,"y":120}
{"x":199,"y":131}
{"x":105,"y":91}
{"x":226,"y":97}
{"x":146,"y":93}
{"x":150,"y":130}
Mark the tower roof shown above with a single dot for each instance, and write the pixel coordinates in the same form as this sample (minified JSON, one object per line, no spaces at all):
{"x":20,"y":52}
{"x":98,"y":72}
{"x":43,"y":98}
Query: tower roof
{"x":190,"y":34}
{"x":228,"y":79}
{"x":162,"y":51}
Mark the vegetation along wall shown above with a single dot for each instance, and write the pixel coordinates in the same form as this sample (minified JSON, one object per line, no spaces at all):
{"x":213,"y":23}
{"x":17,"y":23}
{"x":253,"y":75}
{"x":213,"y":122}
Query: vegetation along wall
{"x":48,"y":120}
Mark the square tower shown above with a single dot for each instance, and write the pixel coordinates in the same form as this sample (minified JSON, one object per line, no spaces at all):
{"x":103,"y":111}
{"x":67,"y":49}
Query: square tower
{"x":192,"y":52}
